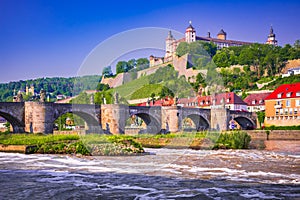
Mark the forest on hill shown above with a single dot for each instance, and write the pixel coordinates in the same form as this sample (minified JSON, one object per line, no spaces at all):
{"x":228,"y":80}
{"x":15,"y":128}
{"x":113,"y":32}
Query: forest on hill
{"x":257,"y":61}
{"x":53,"y":86}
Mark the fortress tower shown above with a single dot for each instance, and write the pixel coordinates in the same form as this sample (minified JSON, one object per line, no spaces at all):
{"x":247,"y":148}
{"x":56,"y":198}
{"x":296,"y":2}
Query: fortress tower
{"x":222,"y":35}
{"x":190,"y":34}
{"x":170,"y":45}
{"x":271,"y":38}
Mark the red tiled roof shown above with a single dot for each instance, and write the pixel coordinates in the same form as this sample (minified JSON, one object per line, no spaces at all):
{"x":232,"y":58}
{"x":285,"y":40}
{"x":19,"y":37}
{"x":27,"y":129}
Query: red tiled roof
{"x":285,"y":89}
{"x":187,"y":100}
{"x":258,"y":99}
{"x":229,"y":98}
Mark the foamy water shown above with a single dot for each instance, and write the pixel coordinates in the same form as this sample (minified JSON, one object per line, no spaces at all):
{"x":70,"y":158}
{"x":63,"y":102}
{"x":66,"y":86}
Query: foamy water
{"x":164,"y":174}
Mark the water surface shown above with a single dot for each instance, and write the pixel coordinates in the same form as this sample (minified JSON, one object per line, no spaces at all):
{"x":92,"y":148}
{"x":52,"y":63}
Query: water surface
{"x":164,"y":174}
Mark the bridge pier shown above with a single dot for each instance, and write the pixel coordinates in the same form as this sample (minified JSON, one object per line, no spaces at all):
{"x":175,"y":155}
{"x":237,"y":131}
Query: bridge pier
{"x":171,"y":118}
{"x":219,"y":119}
{"x":39,"y":117}
{"x":113,"y":118}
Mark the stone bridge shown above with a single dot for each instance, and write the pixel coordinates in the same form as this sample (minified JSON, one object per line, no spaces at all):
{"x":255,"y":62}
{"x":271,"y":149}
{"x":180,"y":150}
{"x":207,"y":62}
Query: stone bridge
{"x":39,"y":117}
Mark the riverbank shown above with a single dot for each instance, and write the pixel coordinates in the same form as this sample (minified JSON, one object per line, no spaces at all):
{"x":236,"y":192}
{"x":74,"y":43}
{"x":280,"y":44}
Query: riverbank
{"x":116,"y":145}
{"x":69,"y":144}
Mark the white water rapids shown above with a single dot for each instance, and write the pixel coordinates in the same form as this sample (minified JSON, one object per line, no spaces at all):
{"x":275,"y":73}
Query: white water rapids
{"x":163,"y":174}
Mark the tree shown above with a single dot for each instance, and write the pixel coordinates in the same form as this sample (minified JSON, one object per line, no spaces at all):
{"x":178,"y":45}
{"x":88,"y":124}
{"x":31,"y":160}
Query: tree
{"x":260,"y":117}
{"x":121,"y":67}
{"x":221,"y":59}
{"x":142,"y":63}
{"x":131,"y":64}
{"x":166,"y":92}
{"x":102,"y":87}
{"x":182,"y":49}
{"x":104,"y":97}
{"x":297,"y":44}
{"x":106,"y":72}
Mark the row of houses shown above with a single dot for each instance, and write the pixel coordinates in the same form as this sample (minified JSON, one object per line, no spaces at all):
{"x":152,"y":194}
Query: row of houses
{"x":281,"y":107}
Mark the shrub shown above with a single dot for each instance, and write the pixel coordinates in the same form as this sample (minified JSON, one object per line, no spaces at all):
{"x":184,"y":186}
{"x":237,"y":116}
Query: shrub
{"x":234,"y":140}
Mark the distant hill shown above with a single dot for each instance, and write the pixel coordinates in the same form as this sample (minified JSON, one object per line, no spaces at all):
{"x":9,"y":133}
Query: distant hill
{"x":52,"y":86}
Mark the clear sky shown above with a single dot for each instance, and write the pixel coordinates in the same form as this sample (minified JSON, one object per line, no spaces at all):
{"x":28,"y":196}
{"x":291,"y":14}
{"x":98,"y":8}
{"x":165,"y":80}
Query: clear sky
{"x":51,"y":38}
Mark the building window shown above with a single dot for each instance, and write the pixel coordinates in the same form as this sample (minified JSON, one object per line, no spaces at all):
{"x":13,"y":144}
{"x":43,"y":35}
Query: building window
{"x":277,"y":111}
{"x":297,"y":102}
{"x":288,"y":103}
{"x":261,"y":101}
{"x":281,"y":111}
{"x":289,"y":94}
{"x":295,"y":111}
{"x":279,"y":95}
{"x":291,"y":111}
{"x":286,"y":110}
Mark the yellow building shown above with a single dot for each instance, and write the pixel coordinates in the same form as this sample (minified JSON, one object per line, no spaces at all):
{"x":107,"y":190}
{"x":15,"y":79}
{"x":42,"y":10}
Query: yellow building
{"x":283,"y":106}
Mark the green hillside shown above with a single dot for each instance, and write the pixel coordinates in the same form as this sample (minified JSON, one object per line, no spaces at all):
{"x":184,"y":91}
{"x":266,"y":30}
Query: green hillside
{"x":127,"y":89}
{"x":164,"y":82}
{"x":146,"y":91}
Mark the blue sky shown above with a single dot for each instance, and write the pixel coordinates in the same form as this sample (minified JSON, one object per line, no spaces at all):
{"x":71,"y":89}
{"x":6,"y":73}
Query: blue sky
{"x":52,"y":38}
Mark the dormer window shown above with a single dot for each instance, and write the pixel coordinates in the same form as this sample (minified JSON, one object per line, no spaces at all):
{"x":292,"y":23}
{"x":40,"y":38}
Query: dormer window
{"x":253,"y":102}
{"x":298,"y":94}
{"x":279,"y":95}
{"x":289,"y":94}
{"x":261,"y":101}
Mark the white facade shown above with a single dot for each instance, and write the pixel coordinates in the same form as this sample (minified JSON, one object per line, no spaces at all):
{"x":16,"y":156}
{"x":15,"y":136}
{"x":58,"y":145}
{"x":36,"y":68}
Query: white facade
{"x":190,"y":34}
{"x":293,"y":71}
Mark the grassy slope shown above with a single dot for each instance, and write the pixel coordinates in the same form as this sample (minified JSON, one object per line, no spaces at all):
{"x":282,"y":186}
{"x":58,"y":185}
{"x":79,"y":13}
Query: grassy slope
{"x":127,"y":89}
{"x":146,"y":91}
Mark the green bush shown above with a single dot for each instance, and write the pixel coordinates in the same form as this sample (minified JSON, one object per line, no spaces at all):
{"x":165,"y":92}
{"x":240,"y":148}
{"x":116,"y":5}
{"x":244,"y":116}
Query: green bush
{"x":233,"y":140}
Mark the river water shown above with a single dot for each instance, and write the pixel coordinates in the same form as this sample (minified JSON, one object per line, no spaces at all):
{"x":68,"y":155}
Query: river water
{"x":163,"y":174}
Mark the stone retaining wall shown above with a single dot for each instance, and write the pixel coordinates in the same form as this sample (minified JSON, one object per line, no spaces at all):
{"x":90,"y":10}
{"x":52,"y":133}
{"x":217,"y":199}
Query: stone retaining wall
{"x":275,"y":134}
{"x":17,"y":148}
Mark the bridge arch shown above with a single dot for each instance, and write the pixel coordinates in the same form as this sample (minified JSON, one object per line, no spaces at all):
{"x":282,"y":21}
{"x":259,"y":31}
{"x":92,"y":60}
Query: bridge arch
{"x":86,"y":112}
{"x":92,"y":123}
{"x":17,"y":125}
{"x":153,"y":124}
{"x":245,"y":122}
{"x":200,"y":122}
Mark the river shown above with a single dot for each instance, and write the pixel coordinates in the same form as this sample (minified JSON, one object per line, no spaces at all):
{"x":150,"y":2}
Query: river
{"x":163,"y":174}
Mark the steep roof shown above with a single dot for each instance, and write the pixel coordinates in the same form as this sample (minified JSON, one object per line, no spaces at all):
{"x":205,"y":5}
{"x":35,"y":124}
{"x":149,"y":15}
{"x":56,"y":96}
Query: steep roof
{"x":256,"y":99}
{"x":281,"y":92}
{"x":222,"y":32}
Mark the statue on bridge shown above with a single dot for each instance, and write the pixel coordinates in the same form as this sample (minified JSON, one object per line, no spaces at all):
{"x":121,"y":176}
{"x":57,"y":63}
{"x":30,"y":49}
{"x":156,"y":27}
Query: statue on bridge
{"x":116,"y":98}
{"x":42,"y":95}
{"x":19,"y":97}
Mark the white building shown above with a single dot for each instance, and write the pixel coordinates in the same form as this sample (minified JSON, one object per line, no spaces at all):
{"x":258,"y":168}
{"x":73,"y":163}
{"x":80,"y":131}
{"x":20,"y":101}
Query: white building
{"x":292,"y":71}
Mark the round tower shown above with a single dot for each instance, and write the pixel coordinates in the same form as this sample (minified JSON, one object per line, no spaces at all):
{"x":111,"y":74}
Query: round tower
{"x":222,"y":35}
{"x":190,"y":34}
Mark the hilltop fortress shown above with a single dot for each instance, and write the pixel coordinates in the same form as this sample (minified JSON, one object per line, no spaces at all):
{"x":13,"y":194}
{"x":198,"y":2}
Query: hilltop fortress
{"x":180,"y":63}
